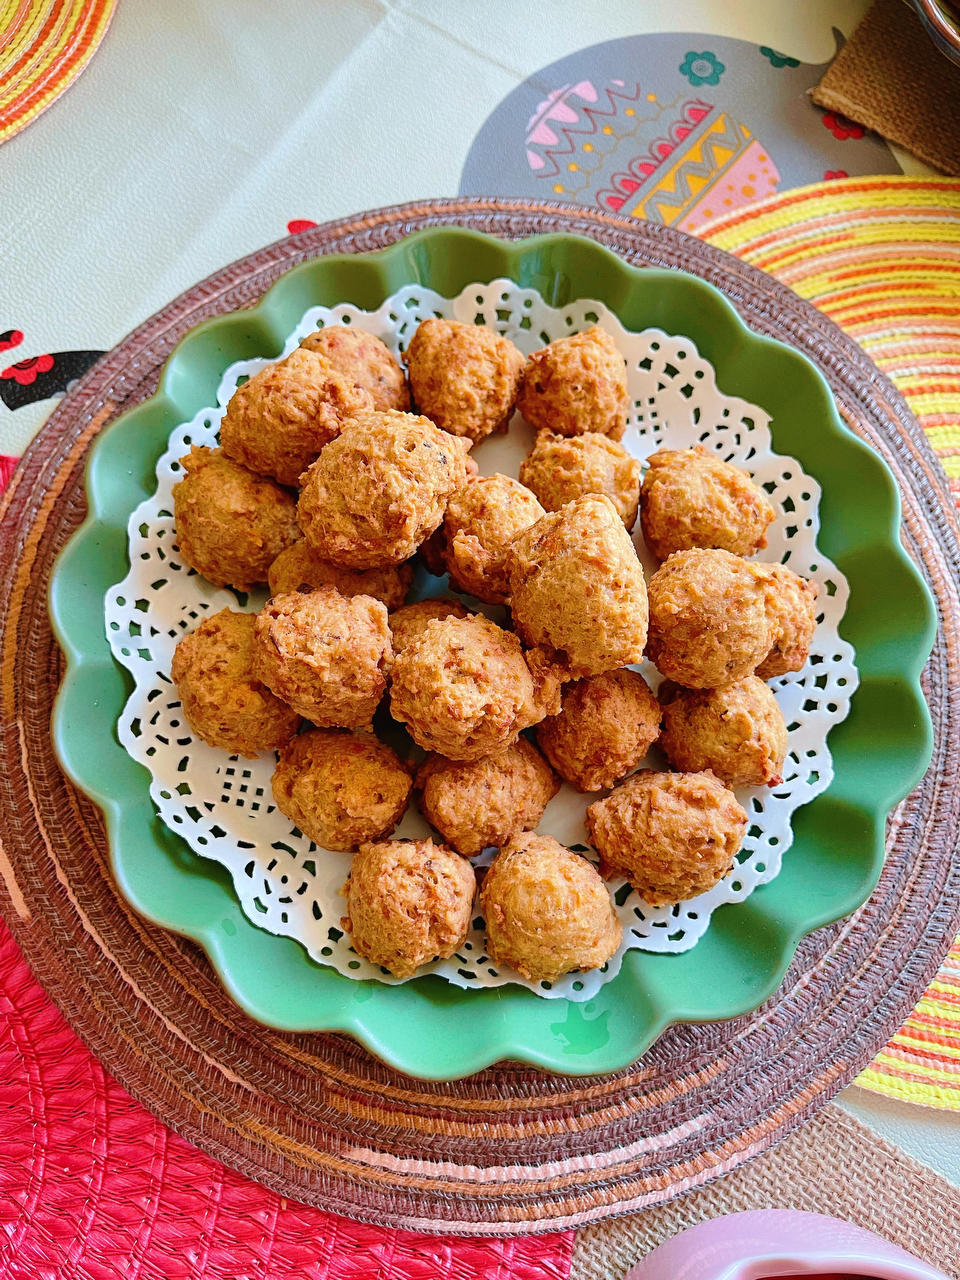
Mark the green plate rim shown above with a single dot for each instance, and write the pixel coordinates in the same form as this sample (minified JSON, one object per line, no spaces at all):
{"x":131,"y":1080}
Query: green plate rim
{"x":752,"y":942}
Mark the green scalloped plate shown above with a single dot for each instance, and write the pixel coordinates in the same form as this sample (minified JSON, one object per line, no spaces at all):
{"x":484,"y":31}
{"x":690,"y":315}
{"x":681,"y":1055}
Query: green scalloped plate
{"x":426,"y":1027}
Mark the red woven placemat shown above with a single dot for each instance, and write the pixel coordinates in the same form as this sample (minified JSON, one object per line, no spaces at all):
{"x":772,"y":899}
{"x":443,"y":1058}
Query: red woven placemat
{"x":91,"y":1185}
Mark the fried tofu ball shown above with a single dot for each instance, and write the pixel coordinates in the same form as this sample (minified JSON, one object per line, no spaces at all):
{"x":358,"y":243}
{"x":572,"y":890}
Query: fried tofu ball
{"x":464,"y":690}
{"x":231,"y":525}
{"x":738,"y":732}
{"x":363,"y":360}
{"x":792,"y":614}
{"x":324,"y":655}
{"x":606,"y":725}
{"x":486,"y":802}
{"x":482,"y":520}
{"x":341,"y":788}
{"x":708,"y":620}
{"x":547,"y":910}
{"x":561,"y":468}
{"x":577,"y":591}
{"x":408,"y":623}
{"x":223,"y":702}
{"x":380,"y":489}
{"x":300,"y":568}
{"x":277,"y":423}
{"x":576,"y":384}
{"x":672,"y":835}
{"x":408,"y":901}
{"x":691,"y":498}
{"x":464,"y":376}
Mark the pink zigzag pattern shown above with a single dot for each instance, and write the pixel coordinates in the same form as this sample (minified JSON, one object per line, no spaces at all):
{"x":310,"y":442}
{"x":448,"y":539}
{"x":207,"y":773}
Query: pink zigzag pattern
{"x":550,"y":127}
{"x":642,"y":167}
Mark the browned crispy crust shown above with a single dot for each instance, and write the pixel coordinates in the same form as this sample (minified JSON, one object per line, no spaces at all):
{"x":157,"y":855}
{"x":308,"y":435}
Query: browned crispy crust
{"x":363,"y":360}
{"x":738,"y":732}
{"x":691,"y":498}
{"x":278,"y":422}
{"x":341,"y":788}
{"x":486,"y":802}
{"x":577,"y":591}
{"x":791,"y":603}
{"x":300,"y":568}
{"x":672,"y":835}
{"x":708,"y":620}
{"x":222,"y":701}
{"x":408,"y":901}
{"x":380,"y":489}
{"x":464,"y":690}
{"x":576,"y":384}
{"x":326,"y":656}
{"x":408,"y":623}
{"x":606,"y":726}
{"x":482,"y":520}
{"x":464,"y":376}
{"x":547,"y":911}
{"x":560,"y":468}
{"x":231,"y":524}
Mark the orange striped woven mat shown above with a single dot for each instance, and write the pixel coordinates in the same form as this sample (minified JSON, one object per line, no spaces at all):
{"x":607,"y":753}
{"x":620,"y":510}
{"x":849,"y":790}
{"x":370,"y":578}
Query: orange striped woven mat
{"x":881,"y":257}
{"x":44,"y":45}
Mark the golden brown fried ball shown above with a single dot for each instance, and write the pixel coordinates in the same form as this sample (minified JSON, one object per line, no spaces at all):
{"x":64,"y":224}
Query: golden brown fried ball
{"x":300,"y":568}
{"x":708,"y":621}
{"x":223,"y":703}
{"x":547,"y":910}
{"x":576,"y":384}
{"x":561,"y":468}
{"x":341,"y":788}
{"x":577,"y":591}
{"x":738,"y":732}
{"x":486,"y":802}
{"x":672,"y":835}
{"x":482,"y":520}
{"x":792,"y":614}
{"x":464,"y":690}
{"x":606,"y":725}
{"x":363,"y":360}
{"x":409,"y":901}
{"x":691,"y":498}
{"x":380,"y":489}
{"x":231,"y":525}
{"x":278,"y":422}
{"x":464,"y":376}
{"x":326,"y":656}
{"x":408,"y":623}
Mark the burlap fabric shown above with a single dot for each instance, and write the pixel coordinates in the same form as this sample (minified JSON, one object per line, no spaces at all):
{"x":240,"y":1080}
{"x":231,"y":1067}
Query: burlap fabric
{"x":891,"y":78}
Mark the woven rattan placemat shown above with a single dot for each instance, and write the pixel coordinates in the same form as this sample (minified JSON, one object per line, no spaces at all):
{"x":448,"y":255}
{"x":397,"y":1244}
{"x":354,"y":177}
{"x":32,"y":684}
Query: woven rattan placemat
{"x":509,"y":1150}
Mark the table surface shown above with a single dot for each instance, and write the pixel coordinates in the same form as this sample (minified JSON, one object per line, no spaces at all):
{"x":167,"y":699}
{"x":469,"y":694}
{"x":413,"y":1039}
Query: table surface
{"x":200,"y":130}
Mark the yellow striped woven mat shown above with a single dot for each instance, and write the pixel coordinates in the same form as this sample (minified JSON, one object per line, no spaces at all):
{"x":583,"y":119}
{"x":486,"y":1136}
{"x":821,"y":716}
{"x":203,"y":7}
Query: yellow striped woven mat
{"x":881,"y":257}
{"x":44,"y":45}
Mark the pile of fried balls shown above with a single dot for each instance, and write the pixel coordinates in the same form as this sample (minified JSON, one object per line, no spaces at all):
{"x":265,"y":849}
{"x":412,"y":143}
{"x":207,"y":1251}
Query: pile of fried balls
{"x":327,"y":484}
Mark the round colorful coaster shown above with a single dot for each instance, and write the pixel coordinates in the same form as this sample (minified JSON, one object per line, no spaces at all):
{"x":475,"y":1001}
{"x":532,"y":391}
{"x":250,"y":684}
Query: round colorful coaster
{"x":881,"y":257}
{"x":509,"y":1151}
{"x":44,"y":45}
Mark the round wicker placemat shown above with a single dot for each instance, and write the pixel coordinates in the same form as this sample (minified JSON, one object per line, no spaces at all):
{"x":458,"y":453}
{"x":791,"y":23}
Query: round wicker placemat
{"x":45,"y":45}
{"x":509,"y":1150}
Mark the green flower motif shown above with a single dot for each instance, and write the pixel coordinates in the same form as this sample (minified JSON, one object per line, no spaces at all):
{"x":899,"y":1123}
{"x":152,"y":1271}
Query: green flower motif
{"x":702,"y":68}
{"x":778,"y":59}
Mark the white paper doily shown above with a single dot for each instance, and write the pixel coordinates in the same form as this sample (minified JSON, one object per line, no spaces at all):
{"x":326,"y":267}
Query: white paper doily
{"x":223,"y":806}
